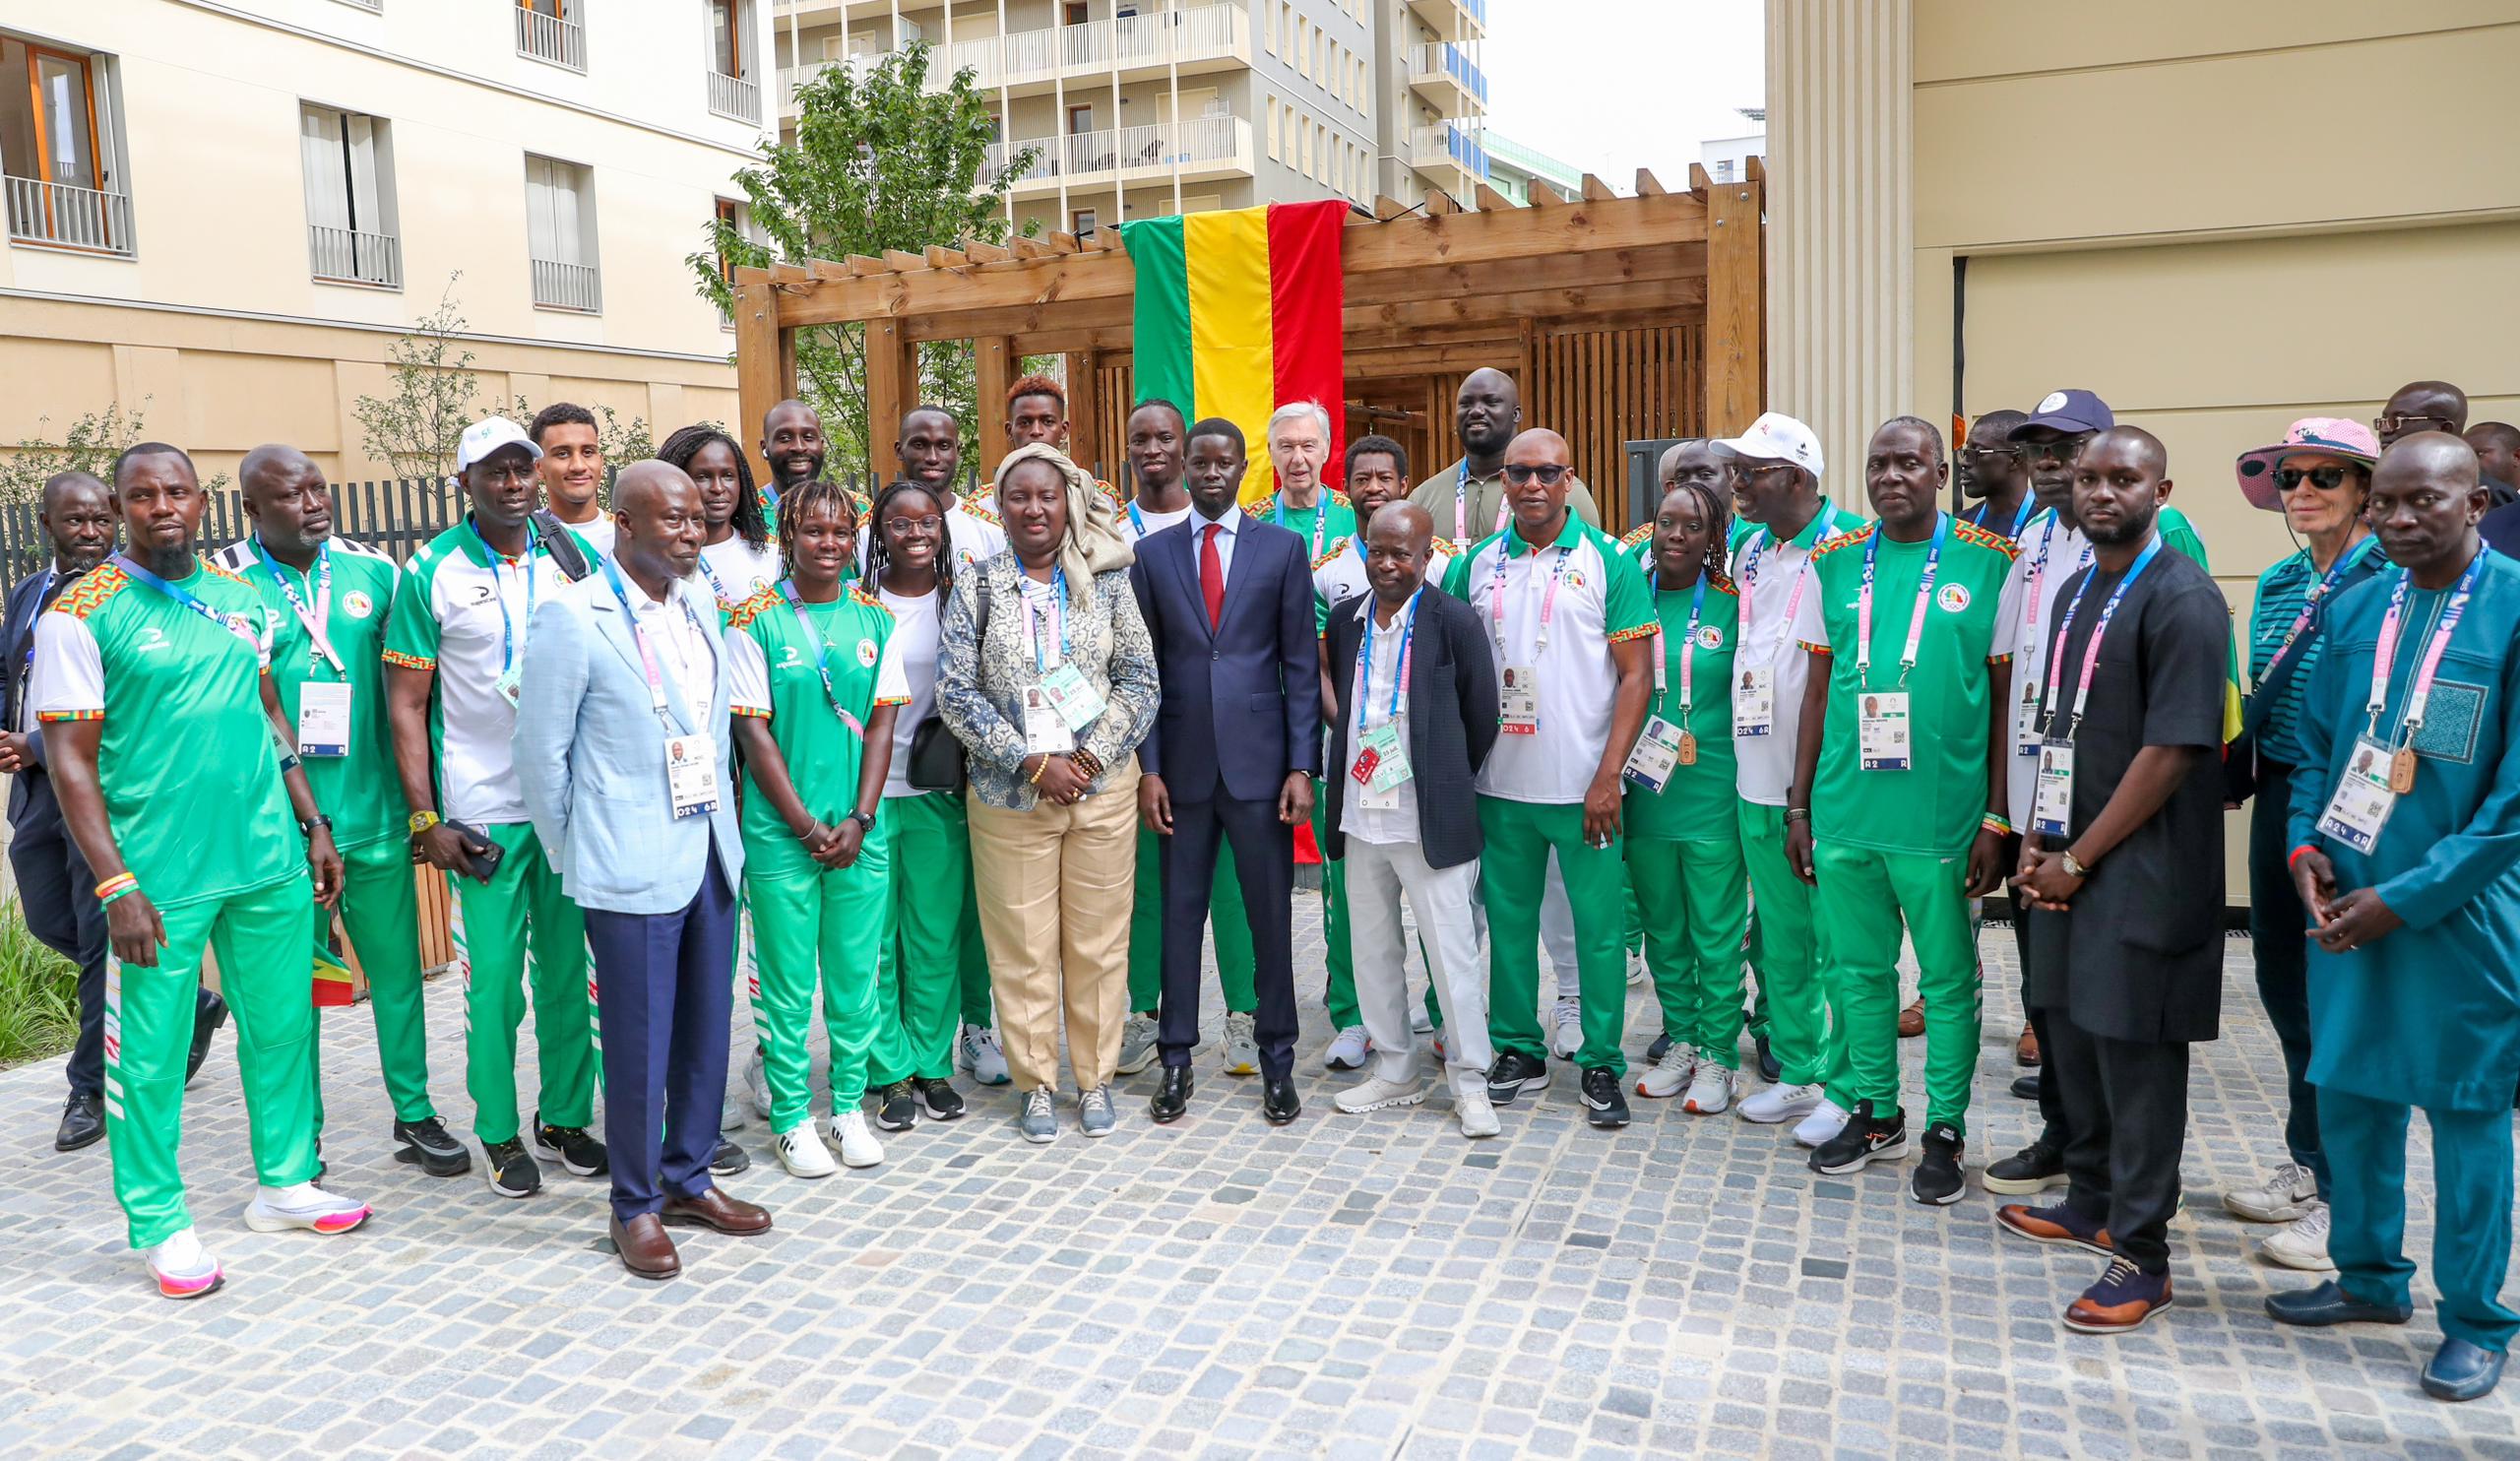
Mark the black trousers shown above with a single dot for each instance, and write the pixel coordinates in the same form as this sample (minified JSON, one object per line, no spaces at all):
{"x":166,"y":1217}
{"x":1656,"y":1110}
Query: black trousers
{"x":2052,"y":1106}
{"x":1264,"y":857}
{"x":2125,"y":1112}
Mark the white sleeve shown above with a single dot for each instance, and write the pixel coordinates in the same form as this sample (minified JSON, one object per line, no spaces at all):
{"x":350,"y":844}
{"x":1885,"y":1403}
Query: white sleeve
{"x":892,"y":681}
{"x":270,"y":636}
{"x":747,"y":674}
{"x":1810,"y":626}
{"x":2007,"y":639}
{"x":68,"y":679}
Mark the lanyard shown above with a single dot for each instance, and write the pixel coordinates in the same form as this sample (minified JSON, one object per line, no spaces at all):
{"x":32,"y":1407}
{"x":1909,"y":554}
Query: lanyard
{"x":639,"y":634}
{"x":1915,"y":618}
{"x":2039,"y":564}
{"x":1765,"y":542}
{"x":1137,"y":519}
{"x":770,"y":499}
{"x":2310,"y":602}
{"x":1688,"y":643}
{"x":27,"y":669}
{"x":234,"y":624}
{"x":717,"y":586}
{"x":1547,"y":602}
{"x":498,"y":591}
{"x":1321,"y":520}
{"x":1399,"y":672}
{"x":2091,"y":651}
{"x":1461,"y":504}
{"x":1032,"y":626}
{"x":321,"y":615}
{"x":2392,"y":627}
{"x":2020,"y":516}
{"x":822,"y":656}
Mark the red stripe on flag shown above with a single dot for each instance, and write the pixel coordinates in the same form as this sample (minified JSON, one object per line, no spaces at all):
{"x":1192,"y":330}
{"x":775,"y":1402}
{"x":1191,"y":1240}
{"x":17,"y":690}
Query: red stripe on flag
{"x":1306,"y":294}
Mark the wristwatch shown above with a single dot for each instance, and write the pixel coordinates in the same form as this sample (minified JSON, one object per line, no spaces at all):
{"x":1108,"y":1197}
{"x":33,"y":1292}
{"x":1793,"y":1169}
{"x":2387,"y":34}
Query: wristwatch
{"x":865,"y":820}
{"x":2073,"y":867}
{"x":421,"y":821}
{"x":307,"y":828}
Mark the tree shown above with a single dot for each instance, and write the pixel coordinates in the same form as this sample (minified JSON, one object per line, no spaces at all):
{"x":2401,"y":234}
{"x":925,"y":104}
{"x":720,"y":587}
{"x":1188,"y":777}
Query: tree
{"x":879,"y":163}
{"x":87,"y":444}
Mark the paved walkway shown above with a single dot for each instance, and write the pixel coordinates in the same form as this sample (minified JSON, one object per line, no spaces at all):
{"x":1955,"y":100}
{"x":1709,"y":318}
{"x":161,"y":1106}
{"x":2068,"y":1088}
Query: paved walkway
{"x":1350,"y":1287}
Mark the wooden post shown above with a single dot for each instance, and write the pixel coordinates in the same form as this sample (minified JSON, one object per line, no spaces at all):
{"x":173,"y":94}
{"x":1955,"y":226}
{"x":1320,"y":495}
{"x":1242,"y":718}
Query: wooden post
{"x":997,"y":361}
{"x":765,"y":365}
{"x":1085,"y":444}
{"x":1735,"y":306}
{"x":892,"y":389}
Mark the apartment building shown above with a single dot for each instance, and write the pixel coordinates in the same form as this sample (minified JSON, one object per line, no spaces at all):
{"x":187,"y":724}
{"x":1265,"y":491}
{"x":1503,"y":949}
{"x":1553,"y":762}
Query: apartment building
{"x":224,"y":213}
{"x":1513,"y":167}
{"x":1137,"y":108}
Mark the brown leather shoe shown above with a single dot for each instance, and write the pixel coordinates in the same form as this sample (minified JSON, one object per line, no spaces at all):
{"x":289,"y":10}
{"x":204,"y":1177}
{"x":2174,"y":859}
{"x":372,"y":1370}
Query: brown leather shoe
{"x":715,"y":1209}
{"x":1911,"y":1020}
{"x":646,"y":1249}
{"x":2025,"y":1049}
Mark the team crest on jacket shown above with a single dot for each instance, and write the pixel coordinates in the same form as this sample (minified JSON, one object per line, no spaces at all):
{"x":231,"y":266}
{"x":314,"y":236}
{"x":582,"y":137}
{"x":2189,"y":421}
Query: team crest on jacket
{"x":866,"y":653}
{"x":1710,"y":637}
{"x":357,"y":605}
{"x":1952,"y":597}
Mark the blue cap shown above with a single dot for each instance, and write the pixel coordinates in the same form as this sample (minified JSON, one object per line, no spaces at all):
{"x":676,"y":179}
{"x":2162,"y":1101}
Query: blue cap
{"x":2068,"y":412}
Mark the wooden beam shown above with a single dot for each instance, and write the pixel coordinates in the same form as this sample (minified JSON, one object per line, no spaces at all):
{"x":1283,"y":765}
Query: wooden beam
{"x":765,"y":372}
{"x":995,"y":374}
{"x":898,"y":260}
{"x":1064,"y":243}
{"x":1647,"y":184}
{"x":984,"y":253}
{"x":1755,"y":169}
{"x":1544,"y":196}
{"x":1595,"y":190}
{"x":823,"y":269}
{"x":1084,"y":446}
{"x":940,"y":257}
{"x":1388,"y":208}
{"x":1736,"y":308}
{"x":865,"y":265}
{"x":1699,"y":183}
{"x":1491,"y":201}
{"x":1501,"y":309}
{"x":791,"y":274}
{"x":892,"y":389}
{"x":1439,"y":204}
{"x":1411,"y":361}
{"x":1030,"y":248}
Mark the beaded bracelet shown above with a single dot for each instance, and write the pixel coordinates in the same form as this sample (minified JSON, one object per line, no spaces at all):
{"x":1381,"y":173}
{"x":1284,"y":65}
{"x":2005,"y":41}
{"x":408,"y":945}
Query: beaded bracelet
{"x":1035,"y":778}
{"x":1087,"y":762}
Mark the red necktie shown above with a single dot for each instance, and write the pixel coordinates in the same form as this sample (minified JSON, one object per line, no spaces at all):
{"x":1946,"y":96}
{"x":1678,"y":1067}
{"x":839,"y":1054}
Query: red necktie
{"x":1212,"y":576}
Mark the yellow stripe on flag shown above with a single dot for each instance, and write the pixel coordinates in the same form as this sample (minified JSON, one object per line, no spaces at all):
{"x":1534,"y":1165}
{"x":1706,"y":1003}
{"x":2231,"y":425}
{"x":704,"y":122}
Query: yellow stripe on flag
{"x":1233,"y":368}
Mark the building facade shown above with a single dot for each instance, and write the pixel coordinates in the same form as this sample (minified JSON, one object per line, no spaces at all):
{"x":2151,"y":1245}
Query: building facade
{"x":1513,"y":167}
{"x":222,"y":215}
{"x":1138,"y":108}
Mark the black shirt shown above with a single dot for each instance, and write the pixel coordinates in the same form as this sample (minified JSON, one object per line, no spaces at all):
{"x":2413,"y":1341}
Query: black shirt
{"x":2501,"y":529}
{"x":2139,"y":957}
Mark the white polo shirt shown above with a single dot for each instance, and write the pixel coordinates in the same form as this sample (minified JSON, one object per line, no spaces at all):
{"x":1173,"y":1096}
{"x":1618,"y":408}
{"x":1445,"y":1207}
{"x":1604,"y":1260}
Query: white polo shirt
{"x":1372,"y":691}
{"x":1772,"y":577}
{"x":2050,"y":553}
{"x":734,"y":570}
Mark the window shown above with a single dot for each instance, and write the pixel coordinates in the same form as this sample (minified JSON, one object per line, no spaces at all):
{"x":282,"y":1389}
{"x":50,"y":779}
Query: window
{"x":1075,"y":12}
{"x":58,"y":129}
{"x":560,"y":234}
{"x":732,"y":90}
{"x":551,"y":31}
{"x":1079,"y":120}
{"x":1271,"y":108}
{"x":351,"y":232}
{"x":1085,"y":220}
{"x":732,"y":215}
{"x":1269,"y":32}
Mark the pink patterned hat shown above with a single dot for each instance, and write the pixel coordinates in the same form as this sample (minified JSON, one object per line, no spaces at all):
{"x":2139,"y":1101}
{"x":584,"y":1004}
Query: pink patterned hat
{"x":2330,"y":436}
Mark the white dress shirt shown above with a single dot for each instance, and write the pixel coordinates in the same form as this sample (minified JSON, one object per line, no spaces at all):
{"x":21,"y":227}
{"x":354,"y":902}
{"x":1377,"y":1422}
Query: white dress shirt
{"x":1232,"y":523}
{"x":680,"y":645}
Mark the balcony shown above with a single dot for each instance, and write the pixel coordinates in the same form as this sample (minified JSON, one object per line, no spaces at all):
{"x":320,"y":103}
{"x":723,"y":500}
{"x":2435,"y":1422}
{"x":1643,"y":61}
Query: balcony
{"x":346,"y":256}
{"x":1447,"y":80}
{"x":1453,"y":20}
{"x":547,"y":37}
{"x":733,"y":97}
{"x":1445,"y":150}
{"x":1200,"y":38}
{"x":1203,"y":148}
{"x":69,"y":217}
{"x":574,"y":286}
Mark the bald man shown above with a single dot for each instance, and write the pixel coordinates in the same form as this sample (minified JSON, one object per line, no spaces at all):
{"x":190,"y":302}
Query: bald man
{"x":2497,"y":447}
{"x":792,"y":443}
{"x":1468,"y":498}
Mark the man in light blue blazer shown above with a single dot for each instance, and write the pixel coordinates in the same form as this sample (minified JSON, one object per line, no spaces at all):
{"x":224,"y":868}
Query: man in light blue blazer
{"x":621,"y":755}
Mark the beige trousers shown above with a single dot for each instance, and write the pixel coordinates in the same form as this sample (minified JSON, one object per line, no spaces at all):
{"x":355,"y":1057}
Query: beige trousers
{"x":1055,"y":885}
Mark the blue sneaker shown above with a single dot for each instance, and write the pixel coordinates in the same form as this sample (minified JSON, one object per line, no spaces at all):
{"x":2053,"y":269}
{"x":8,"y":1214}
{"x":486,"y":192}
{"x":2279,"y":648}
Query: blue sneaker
{"x":2461,"y":1370}
{"x":2329,"y":1303}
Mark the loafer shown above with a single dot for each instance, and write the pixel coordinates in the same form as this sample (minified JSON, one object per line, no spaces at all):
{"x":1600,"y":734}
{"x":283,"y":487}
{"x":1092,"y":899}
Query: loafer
{"x":2025,"y":1087}
{"x":1911,"y":1020}
{"x":1277,"y":1099}
{"x":646,"y":1249}
{"x":2460,"y":1370}
{"x":715,"y":1209}
{"x":1172,"y":1098}
{"x":2328,"y":1303}
{"x":82,"y":1122}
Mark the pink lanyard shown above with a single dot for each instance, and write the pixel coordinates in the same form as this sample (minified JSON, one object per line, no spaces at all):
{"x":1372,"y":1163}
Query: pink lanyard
{"x":1766,"y":544}
{"x":2091,"y":651}
{"x":2310,"y":602}
{"x":1461,"y":504}
{"x":1915,"y":618}
{"x":1547,"y":602}
{"x":1688,"y":646}
{"x":2384,"y":659}
{"x":2039,"y":564}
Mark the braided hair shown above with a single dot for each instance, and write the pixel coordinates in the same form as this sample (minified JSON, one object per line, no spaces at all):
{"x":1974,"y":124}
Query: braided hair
{"x":685,"y":444}
{"x":879,"y":554}
{"x":1719,"y":527}
{"x":807,"y":497}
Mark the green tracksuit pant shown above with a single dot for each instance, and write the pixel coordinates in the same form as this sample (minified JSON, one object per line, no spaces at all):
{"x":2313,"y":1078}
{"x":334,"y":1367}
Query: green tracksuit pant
{"x":930,"y":939}
{"x":2365,"y":1145}
{"x":1808,"y":1043}
{"x":1863,"y":897}
{"x":1236,"y":965}
{"x":1693,"y":941}
{"x":1339,"y":992}
{"x":822,"y":927}
{"x":264,"y":942}
{"x":522,"y":903}
{"x":381,"y":912}
{"x":1513,"y":873}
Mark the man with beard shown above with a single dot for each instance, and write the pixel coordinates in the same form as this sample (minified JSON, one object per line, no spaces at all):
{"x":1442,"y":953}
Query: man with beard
{"x":929,"y":449}
{"x":571,"y":468}
{"x":792,"y":443}
{"x":1468,"y":498}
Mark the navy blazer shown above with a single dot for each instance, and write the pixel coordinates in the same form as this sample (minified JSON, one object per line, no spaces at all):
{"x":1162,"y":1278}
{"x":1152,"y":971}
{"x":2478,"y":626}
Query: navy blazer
{"x":27,"y":599}
{"x":1452,"y":721}
{"x":1241,"y":701}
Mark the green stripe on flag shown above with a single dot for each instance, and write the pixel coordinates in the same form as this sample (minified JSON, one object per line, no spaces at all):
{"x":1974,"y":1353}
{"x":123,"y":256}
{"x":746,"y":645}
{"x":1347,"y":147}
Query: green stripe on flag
{"x":1161,"y":323}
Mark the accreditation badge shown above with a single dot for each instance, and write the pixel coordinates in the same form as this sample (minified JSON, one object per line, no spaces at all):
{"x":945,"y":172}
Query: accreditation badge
{"x":324,"y":719}
{"x":1381,"y":766}
{"x":2025,"y":725}
{"x":2052,"y":805}
{"x":1045,"y":732}
{"x":2362,"y":801}
{"x":691,"y":774}
{"x":1755,"y":702}
{"x":1073,"y":696}
{"x":508,"y":684}
{"x":1882,"y":731}
{"x":1518,"y":700}
{"x":1658,"y":750}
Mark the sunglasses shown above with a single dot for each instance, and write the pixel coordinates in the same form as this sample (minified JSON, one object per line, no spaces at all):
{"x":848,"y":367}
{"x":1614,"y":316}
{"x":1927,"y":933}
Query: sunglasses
{"x":2391,"y":425}
{"x":1550,"y":475}
{"x":2063,"y":449}
{"x":1982,"y":456}
{"x":2325,"y":479}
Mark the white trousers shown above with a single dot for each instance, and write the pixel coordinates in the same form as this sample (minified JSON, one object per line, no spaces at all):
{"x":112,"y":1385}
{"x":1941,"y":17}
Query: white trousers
{"x":1378,"y":875}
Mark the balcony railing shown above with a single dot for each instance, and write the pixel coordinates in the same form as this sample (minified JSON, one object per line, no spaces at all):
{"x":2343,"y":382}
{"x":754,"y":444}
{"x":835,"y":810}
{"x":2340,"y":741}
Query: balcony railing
{"x":1198,"y":141}
{"x":549,"y":37}
{"x":558,"y":286}
{"x":1446,"y":17}
{"x":348,"y":256}
{"x":735,"y":96}
{"x":1447,"y":144}
{"x":1199,"y":32}
{"x":67,"y":217}
{"x":1443,"y":59}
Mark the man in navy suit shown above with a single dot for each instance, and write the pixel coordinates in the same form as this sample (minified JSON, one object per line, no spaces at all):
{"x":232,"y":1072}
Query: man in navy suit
{"x":55,"y":889}
{"x":1228,"y":599}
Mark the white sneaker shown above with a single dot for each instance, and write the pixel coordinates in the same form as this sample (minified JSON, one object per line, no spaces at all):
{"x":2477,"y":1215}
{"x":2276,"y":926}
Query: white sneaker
{"x":1242,"y":1045}
{"x":1637,"y":973}
{"x":1778,"y":1104}
{"x":735,"y":1111}
{"x":1822,"y":1125}
{"x":980,"y":1055}
{"x":2301,"y":1243}
{"x":1711,"y":1090}
{"x":802,"y":1150}
{"x":306,"y":1206}
{"x":183,"y":1268}
{"x":1569,"y":1037}
{"x":1376,"y":1094}
{"x":857,"y":1145}
{"x":2288,"y":1195}
{"x":757,"y":1080}
{"x":1670,"y":1075}
{"x":1436,"y":1040}
{"x":1477,"y":1114}
{"x":1419,"y":1022}
{"x":1347,"y":1049}
{"x":1137,"y":1043}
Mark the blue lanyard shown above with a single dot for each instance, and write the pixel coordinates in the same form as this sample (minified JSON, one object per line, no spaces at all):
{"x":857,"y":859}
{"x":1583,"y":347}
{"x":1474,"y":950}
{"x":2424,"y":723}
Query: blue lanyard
{"x":2020,"y":516}
{"x":1916,"y":616}
{"x":317,"y":618}
{"x":2311,"y":601}
{"x":1137,"y":519}
{"x":25,"y":670}
{"x":1399,"y":672}
{"x":2091,"y":651}
{"x":507,"y":625}
{"x":234,"y":624}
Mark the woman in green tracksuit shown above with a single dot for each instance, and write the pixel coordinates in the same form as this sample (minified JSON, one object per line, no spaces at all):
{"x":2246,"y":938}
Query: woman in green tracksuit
{"x":816,"y":686}
{"x":1683,"y":844}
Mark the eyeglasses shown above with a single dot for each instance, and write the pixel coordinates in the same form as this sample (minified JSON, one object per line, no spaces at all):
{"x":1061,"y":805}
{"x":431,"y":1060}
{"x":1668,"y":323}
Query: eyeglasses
{"x":2394,"y":425}
{"x":1988,"y":456}
{"x":1755,"y":473}
{"x":2325,"y":479}
{"x":1550,"y":474}
{"x":2063,"y":449}
{"x":907,"y":527}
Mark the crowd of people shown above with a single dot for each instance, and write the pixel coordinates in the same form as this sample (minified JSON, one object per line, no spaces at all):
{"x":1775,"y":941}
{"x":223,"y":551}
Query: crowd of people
{"x":983,"y":768}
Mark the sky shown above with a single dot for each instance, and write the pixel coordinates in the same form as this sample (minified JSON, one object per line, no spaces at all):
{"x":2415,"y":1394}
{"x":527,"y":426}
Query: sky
{"x":1611,"y":86}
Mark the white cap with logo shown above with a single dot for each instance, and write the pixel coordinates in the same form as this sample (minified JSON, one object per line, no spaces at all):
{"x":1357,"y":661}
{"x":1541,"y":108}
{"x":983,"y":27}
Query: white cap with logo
{"x":490,"y":435}
{"x":1777,"y":438}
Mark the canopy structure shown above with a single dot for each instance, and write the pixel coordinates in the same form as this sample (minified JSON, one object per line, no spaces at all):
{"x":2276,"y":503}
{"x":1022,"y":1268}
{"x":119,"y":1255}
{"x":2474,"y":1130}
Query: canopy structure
{"x":1622,"y":318}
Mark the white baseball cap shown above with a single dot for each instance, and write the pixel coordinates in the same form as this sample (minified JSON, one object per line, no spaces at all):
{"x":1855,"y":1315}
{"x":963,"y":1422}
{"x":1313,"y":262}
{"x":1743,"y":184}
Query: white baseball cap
{"x":490,"y":435}
{"x":1777,"y":438}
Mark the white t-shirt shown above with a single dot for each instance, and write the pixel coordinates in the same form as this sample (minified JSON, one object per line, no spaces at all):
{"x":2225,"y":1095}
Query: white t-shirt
{"x":1773,"y":577}
{"x":482,"y":611}
{"x":598,"y":532}
{"x":749,"y":688}
{"x":1341,"y":574}
{"x":2050,"y":553}
{"x":1138,"y":524}
{"x":1371,"y":691}
{"x":913,"y":648}
{"x":734,"y":570}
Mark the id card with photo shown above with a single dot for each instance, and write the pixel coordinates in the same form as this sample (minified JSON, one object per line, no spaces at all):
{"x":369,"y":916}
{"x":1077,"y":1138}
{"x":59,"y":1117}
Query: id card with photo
{"x":2051,"y":808}
{"x":1045,"y":731}
{"x":691,"y":774}
{"x":1518,"y":700}
{"x":324,"y":719}
{"x":1882,"y":731}
{"x":1755,"y":702}
{"x":2025,"y":727}
{"x":1658,"y":750}
{"x":1073,"y":696}
{"x":2362,"y":801}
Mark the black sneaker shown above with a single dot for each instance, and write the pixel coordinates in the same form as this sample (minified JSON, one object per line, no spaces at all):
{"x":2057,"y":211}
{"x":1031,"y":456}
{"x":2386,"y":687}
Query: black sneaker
{"x":513,"y":1173}
{"x":2036,"y":1168}
{"x":1865,"y":1140}
{"x":1514,"y":1073}
{"x":210,"y":1013}
{"x":1605,"y":1105}
{"x":1771,"y":1069}
{"x":426,"y":1142}
{"x":1937,"y":1182}
{"x":728,"y":1160}
{"x":897,"y":1106}
{"x":1654,"y":1052}
{"x":939,"y":1099}
{"x":571,"y":1147}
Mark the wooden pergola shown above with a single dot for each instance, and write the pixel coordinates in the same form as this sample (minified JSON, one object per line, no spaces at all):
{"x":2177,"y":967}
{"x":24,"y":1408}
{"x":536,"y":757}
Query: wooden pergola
{"x":1622,"y":318}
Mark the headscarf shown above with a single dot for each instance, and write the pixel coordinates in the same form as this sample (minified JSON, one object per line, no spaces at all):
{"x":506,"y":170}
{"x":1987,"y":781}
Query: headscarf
{"x":1095,"y":544}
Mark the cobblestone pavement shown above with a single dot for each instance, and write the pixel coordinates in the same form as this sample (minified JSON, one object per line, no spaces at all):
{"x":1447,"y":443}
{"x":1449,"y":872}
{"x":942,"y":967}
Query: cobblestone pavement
{"x":1350,"y":1287}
